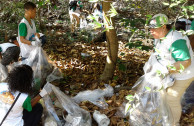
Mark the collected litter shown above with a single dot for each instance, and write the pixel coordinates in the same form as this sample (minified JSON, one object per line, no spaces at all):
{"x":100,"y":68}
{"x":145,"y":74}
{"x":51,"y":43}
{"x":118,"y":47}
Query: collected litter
{"x":101,"y":119}
{"x":72,"y":113}
{"x":96,"y":96}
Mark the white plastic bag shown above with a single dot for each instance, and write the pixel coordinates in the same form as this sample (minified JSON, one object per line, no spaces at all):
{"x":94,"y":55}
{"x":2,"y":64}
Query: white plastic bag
{"x":50,"y":115}
{"x":55,"y":75}
{"x":76,"y":115}
{"x":149,"y":106}
{"x":96,"y":96}
{"x":3,"y":73}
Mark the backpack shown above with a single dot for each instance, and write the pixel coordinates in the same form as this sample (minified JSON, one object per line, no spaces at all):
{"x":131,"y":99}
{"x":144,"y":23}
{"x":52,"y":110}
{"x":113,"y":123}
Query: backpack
{"x":72,"y":4}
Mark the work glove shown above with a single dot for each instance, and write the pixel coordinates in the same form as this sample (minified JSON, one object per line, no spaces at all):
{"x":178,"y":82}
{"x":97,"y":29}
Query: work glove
{"x":47,"y":89}
{"x":36,"y":43}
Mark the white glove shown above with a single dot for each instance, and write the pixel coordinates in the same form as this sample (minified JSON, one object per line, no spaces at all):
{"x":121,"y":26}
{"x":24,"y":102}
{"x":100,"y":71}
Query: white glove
{"x":36,"y":43}
{"x":37,"y":39}
{"x":43,"y":92}
{"x":47,"y":89}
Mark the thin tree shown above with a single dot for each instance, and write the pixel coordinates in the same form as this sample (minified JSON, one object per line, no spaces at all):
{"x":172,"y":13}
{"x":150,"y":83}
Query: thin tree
{"x":112,"y":42}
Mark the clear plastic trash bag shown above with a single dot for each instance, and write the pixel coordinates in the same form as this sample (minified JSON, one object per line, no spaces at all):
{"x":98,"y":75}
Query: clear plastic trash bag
{"x":50,"y":116}
{"x":55,"y":75}
{"x":96,"y":96}
{"x":149,"y":106}
{"x":41,"y":67}
{"x":76,"y":115}
{"x":3,"y":73}
{"x":188,"y":99}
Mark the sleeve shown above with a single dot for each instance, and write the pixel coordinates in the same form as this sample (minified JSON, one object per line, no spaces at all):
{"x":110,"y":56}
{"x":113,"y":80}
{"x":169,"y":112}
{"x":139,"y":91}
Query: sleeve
{"x":192,"y":25}
{"x":27,"y":104}
{"x":23,"y":29}
{"x":179,"y":50}
{"x":0,"y":49}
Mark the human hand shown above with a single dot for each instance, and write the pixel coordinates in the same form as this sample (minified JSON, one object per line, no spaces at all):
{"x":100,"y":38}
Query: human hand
{"x":47,"y":89}
{"x":37,"y":34}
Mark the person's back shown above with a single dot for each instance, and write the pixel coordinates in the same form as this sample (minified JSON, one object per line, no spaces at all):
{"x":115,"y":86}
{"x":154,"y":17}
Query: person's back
{"x":9,"y":52}
{"x":25,"y":111}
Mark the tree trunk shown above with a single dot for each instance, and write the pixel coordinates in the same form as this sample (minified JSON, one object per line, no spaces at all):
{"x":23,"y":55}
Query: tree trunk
{"x":112,"y":43}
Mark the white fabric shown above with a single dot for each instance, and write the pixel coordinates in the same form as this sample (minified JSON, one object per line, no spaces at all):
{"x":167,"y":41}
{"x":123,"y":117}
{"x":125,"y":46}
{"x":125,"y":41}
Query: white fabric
{"x":26,"y":49}
{"x":97,"y":13}
{"x":15,"y":116}
{"x":4,"y":46}
{"x":167,"y":59}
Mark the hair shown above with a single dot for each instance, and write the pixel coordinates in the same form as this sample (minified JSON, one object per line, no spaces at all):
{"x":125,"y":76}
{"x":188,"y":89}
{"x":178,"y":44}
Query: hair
{"x":180,"y":25}
{"x":20,"y":79}
{"x":12,"y":39}
{"x":29,"y":5}
{"x":168,"y":26}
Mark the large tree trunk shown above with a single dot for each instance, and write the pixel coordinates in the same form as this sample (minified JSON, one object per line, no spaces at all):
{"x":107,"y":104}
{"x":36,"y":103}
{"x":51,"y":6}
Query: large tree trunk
{"x":112,"y":43}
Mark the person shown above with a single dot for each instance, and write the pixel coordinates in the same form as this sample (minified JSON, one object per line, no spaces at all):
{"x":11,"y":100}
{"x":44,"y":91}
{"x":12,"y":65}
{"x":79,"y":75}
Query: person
{"x":75,"y":9}
{"x":9,"y":52}
{"x":97,"y":11}
{"x":172,"y":48}
{"x":28,"y":37}
{"x":25,"y":111}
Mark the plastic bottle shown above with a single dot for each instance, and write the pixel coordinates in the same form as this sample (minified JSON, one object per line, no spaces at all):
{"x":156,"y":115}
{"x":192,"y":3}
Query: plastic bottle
{"x":101,"y":119}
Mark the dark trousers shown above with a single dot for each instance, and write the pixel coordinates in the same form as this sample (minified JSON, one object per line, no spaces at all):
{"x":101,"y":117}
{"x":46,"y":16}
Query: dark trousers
{"x":10,"y":55}
{"x":33,"y":118}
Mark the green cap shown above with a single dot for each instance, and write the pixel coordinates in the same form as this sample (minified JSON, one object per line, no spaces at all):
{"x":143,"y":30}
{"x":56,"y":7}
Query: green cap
{"x":158,"y":21}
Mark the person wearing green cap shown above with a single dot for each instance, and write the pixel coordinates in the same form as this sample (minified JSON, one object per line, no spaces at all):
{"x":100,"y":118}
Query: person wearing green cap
{"x":173,"y":50}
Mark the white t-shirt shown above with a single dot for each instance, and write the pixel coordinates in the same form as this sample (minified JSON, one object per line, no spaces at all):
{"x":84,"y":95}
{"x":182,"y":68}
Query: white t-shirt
{"x":165,"y":55}
{"x":15,"y":116}
{"x":4,"y":46}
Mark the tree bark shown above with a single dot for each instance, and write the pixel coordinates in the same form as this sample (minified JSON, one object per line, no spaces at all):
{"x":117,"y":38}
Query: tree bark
{"x":112,"y":43}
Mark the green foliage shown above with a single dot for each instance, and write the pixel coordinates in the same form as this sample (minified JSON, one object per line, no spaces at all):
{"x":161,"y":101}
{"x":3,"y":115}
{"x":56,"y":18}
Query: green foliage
{"x":139,"y":45}
{"x":148,"y":88}
{"x":121,"y":66}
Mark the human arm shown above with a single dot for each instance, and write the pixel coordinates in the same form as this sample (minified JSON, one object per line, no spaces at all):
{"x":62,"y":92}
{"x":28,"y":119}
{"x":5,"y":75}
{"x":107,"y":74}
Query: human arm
{"x":177,"y":65}
{"x":23,"y":40}
{"x":181,"y":54}
{"x":37,"y":34}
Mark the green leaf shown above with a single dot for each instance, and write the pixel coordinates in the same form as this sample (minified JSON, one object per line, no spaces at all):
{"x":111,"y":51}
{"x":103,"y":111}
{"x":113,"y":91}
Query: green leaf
{"x":127,"y":107}
{"x":158,"y":72}
{"x":158,"y":51}
{"x":129,"y":97}
{"x":173,"y":4}
{"x":122,"y":67}
{"x":166,"y":4}
{"x":122,"y":54}
{"x":181,"y":68}
{"x":148,"y":88}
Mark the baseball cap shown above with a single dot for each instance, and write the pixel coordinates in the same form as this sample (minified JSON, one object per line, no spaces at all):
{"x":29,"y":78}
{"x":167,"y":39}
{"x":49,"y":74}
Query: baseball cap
{"x":158,"y":21}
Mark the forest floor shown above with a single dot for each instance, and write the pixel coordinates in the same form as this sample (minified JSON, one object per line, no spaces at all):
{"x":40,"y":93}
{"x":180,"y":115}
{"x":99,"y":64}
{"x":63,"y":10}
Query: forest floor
{"x":82,"y":63}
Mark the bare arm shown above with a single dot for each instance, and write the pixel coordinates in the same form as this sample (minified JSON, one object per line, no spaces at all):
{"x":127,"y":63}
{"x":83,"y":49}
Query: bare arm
{"x":185,"y":63}
{"x":23,"y":40}
{"x":35,"y":100}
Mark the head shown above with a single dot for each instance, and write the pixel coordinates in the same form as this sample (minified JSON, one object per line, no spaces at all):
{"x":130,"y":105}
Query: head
{"x":180,"y":25}
{"x":20,"y":79}
{"x":30,"y":9}
{"x":159,"y":26}
{"x":13,"y":40}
